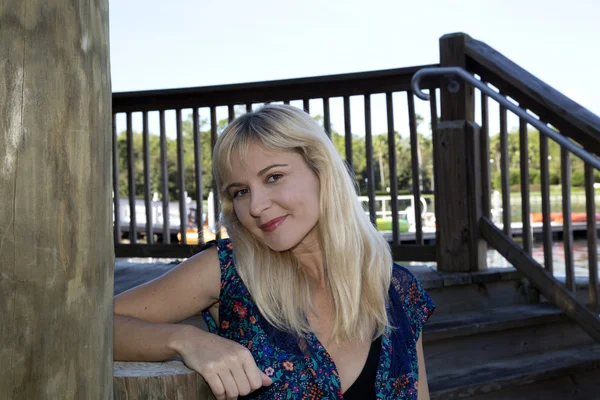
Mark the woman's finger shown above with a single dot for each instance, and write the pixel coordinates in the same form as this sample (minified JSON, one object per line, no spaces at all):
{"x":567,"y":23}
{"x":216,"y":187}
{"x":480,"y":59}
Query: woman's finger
{"x":253,"y":373}
{"x":216,"y":386}
{"x":266,"y":380}
{"x":254,"y":378}
{"x":241,"y":379}
{"x":231,"y":389}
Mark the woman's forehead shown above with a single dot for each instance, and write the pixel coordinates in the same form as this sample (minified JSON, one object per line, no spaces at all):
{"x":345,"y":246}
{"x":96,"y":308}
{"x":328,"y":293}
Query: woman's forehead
{"x":257,"y":157}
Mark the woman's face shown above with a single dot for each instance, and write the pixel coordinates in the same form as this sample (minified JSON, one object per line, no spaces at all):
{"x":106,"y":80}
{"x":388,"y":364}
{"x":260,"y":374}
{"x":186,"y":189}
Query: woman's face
{"x":276,"y":197}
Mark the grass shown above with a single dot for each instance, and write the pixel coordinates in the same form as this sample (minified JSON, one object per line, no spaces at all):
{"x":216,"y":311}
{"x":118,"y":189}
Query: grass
{"x":386,"y":224}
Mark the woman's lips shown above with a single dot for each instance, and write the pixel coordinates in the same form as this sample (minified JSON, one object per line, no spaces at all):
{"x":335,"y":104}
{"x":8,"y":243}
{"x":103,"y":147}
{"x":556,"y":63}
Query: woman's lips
{"x":273,"y":224}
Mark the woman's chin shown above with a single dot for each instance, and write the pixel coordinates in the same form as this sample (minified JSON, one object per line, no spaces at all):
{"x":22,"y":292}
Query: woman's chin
{"x":279,"y":242}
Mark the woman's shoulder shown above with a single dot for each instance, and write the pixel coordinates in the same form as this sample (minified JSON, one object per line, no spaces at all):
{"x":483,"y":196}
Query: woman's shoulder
{"x":402,"y":279}
{"x":220,"y":245}
{"x":231,"y":282}
{"x":224,"y":249}
{"x":409,"y":295}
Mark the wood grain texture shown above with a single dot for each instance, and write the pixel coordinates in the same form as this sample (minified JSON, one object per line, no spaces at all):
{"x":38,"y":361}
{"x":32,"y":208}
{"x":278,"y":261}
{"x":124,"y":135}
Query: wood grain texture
{"x":460,"y":105}
{"x":56,"y":253}
{"x":548,"y":286}
{"x":457,"y":160}
{"x":158,"y":381}
{"x":554,"y":108}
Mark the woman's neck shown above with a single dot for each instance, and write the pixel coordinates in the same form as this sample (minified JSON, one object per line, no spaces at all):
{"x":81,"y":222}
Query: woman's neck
{"x":310,"y":256}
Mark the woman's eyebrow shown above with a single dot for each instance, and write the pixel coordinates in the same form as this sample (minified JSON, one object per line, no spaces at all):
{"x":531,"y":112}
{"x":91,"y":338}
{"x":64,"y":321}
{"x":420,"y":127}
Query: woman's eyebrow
{"x":264,"y":170}
{"x":260,"y":173}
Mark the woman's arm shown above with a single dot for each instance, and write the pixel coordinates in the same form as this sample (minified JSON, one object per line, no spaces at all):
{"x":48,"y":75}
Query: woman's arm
{"x":186,"y":290}
{"x":145,"y":315}
{"x":138,"y":340}
{"x":423,"y":390}
{"x":145,"y":327}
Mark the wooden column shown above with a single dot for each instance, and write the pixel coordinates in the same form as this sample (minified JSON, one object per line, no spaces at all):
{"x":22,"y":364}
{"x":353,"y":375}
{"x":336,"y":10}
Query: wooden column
{"x":457,"y":169}
{"x":56,"y":249}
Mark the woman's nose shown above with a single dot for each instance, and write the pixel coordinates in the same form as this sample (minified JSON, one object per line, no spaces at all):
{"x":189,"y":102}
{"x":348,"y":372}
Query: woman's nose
{"x":259,"y":202}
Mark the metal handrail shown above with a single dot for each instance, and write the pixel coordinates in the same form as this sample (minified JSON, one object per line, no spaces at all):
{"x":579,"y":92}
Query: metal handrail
{"x":454,"y":86}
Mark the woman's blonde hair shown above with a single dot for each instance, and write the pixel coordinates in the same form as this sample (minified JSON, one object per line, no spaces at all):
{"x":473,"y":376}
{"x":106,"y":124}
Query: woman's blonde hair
{"x":357,"y":259}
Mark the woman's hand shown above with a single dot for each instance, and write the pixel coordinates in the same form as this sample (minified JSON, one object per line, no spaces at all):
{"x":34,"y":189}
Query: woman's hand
{"x":228,"y":367}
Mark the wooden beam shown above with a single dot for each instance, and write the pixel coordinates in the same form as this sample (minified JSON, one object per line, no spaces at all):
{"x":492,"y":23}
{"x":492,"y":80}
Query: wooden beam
{"x":156,"y":250}
{"x":554,"y":108}
{"x":56,"y":247}
{"x":458,"y":185}
{"x":412,"y":252}
{"x":361,"y":83}
{"x":400,"y":252}
{"x":548,"y":286}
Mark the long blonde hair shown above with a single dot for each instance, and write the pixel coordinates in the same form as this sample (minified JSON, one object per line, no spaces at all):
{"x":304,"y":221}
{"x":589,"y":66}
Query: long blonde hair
{"x":357,"y":259}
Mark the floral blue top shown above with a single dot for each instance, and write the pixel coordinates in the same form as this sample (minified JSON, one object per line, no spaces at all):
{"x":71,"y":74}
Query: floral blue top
{"x":302,"y":368}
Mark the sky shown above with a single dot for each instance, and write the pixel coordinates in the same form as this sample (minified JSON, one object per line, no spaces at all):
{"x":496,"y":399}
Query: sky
{"x":185,"y":43}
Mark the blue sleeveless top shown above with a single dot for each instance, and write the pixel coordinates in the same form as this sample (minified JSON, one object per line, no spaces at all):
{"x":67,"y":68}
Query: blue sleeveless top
{"x":301,"y":368}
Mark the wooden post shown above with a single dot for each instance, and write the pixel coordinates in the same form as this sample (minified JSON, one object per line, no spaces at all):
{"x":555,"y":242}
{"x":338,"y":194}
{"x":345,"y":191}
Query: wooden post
{"x":166,"y":380}
{"x":460,"y":105}
{"x":458,"y":188}
{"x":56,"y":248}
{"x":457,"y":170}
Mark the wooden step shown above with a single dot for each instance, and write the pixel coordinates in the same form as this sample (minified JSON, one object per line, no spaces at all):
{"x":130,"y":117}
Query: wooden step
{"x":456,"y":340}
{"x":500,"y":318}
{"x":516,"y":377}
{"x":459,"y":292}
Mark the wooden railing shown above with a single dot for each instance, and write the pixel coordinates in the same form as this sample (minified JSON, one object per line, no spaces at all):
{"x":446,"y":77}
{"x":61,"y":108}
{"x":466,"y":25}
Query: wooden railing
{"x":461,"y":150}
{"x":457,"y":129}
{"x":320,"y":89}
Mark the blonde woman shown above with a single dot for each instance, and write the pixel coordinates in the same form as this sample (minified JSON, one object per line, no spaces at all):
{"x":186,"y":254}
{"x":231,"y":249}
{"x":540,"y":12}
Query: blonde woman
{"x":303,"y":301}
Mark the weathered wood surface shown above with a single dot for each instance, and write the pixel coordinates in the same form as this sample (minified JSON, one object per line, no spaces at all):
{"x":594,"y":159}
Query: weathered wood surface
{"x":56,"y":252}
{"x":158,"y":381}
{"x":554,"y":108}
{"x":484,"y":339}
{"x":510,"y":374}
{"x":460,"y":105}
{"x":552,"y":289}
{"x":457,"y":160}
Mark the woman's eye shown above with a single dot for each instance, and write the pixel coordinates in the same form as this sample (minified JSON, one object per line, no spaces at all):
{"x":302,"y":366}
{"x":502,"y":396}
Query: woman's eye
{"x":240,"y":193}
{"x":274,"y":178}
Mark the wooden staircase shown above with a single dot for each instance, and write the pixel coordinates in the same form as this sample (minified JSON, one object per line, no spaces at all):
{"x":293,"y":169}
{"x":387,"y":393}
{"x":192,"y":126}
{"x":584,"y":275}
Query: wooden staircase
{"x":488,"y":340}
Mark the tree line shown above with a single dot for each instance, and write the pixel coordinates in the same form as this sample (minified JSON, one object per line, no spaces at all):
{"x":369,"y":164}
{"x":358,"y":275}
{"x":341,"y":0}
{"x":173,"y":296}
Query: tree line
{"x":380,"y":161}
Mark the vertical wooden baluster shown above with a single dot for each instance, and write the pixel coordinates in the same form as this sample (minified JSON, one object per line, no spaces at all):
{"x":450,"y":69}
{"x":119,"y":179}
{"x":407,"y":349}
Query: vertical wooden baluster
{"x":164,"y":176}
{"x":545,"y":187}
{"x":131,"y":182}
{"x":525,"y":196}
{"x":592,"y":239}
{"x":198,"y":173}
{"x":369,"y":154}
{"x":565,"y":172}
{"x":147,"y":194}
{"x":392,"y":167}
{"x":116,"y":188}
{"x":505,"y":173}
{"x":415,"y":153}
